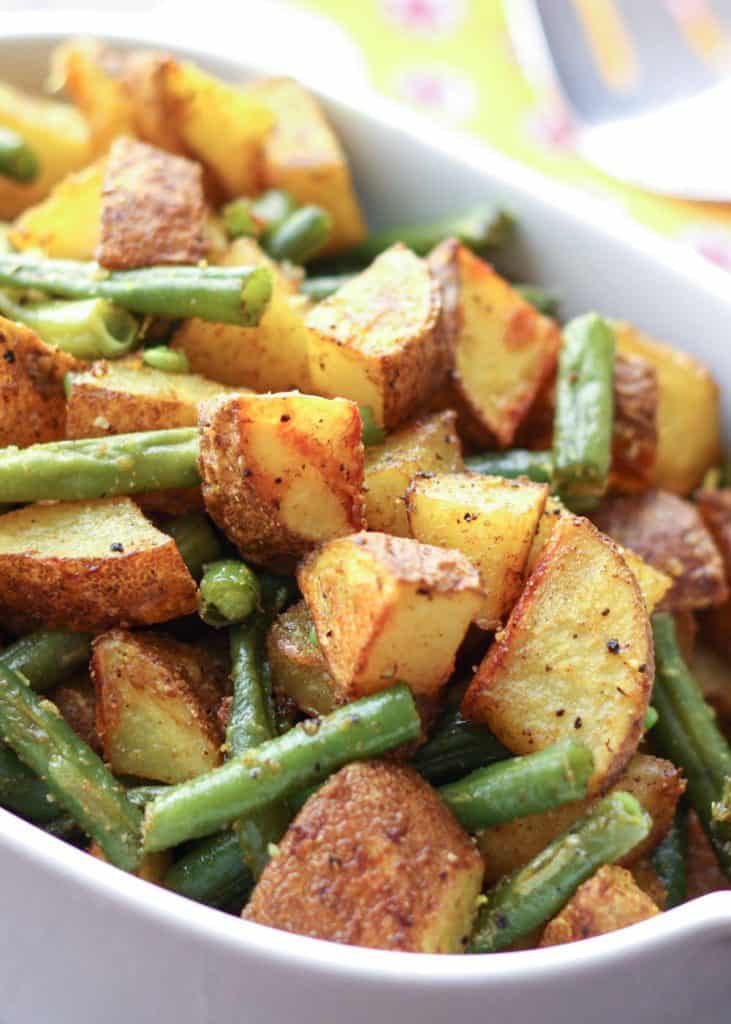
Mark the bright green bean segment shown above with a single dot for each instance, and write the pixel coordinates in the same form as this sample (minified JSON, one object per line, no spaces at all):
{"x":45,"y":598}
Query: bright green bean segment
{"x":536,"y":466}
{"x":319,"y":288}
{"x":228,"y":593}
{"x":85,"y":328}
{"x":17,"y":160}
{"x":668,"y":860}
{"x":47,"y":657}
{"x":212,"y":872}
{"x":196,"y":539}
{"x":169,"y":360}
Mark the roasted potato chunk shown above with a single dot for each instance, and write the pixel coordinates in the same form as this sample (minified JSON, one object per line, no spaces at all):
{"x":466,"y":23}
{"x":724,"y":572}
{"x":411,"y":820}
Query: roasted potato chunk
{"x":715,"y":509}
{"x":688,"y":413}
{"x":373,"y":859}
{"x":656,"y":783}
{"x":221,"y":125}
{"x":65,"y":225}
{"x":89,"y":565}
{"x":389,"y":609}
{"x":576,"y":658}
{"x":635,"y":431}
{"x":56,"y":133}
{"x":121,"y":398}
{"x":269,"y":357}
{"x":646,"y":877}
{"x":302,"y":155}
{"x":149,"y":714}
{"x":299,"y":670}
{"x":32,"y":400}
{"x":281,"y":472}
{"x":609,"y":900}
{"x":503,"y":350}
{"x":490,"y":520}
{"x":669,"y":533}
{"x":377,"y":339}
{"x":152,"y":208}
{"x":428,"y":445}
{"x":76,"y":701}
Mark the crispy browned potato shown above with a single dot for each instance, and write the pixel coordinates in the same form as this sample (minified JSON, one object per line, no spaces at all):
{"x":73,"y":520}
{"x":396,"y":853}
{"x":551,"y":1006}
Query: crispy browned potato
{"x":302,"y":155}
{"x":576,"y":658}
{"x":377,"y":340}
{"x":373,"y":859}
{"x":646,"y":877}
{"x":281,"y":472}
{"x":65,"y":225}
{"x":490,"y":520}
{"x":503,"y":350}
{"x":76,"y":701}
{"x":152,"y":208}
{"x":635,"y":432}
{"x":703,"y":872}
{"x":428,"y":445}
{"x":669,"y":533}
{"x":689,"y":417}
{"x":389,"y":609}
{"x":32,"y":400}
{"x":155,"y":706}
{"x":143,"y":76}
{"x":87,"y":566}
{"x":57,"y":134}
{"x":609,"y":900}
{"x":124,"y":397}
{"x":299,"y":670}
{"x":657,"y":785}
{"x":273,"y":356}
{"x":715,"y":508}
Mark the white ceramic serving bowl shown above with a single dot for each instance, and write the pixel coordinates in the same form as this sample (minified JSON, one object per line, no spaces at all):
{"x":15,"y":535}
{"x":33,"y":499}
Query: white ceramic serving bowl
{"x":82,"y":943}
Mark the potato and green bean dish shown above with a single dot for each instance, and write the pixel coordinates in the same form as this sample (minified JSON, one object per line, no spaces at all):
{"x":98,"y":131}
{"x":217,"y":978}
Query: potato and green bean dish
{"x":343,"y":586}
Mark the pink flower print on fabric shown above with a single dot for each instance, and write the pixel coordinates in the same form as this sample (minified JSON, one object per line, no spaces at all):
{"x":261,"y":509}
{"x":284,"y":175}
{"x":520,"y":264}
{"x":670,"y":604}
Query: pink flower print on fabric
{"x":550,"y":124}
{"x":438,"y":91}
{"x":427,"y":17}
{"x":712,"y":243}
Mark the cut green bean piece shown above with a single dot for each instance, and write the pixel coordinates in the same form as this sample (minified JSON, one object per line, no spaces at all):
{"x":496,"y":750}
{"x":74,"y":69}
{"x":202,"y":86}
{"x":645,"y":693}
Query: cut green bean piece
{"x":17,"y":160}
{"x":371,"y":432}
{"x":74,"y":774}
{"x":532,"y":895}
{"x":545,"y":300}
{"x":228,"y":593}
{"x":650,"y":718}
{"x":319,"y":288}
{"x":301,"y":235}
{"x":23,"y":792}
{"x":169,"y":360}
{"x":85,"y":328}
{"x":142,"y":795}
{"x":537,"y":466}
{"x":212,"y":872}
{"x":196,"y":539}
{"x":232,"y":295}
{"x":668,"y":860}
{"x":582,"y":436}
{"x":301,"y":757}
{"x":100,"y":466}
{"x":271,"y":209}
{"x":238,"y":219}
{"x":520,"y":786}
{"x":47,"y":657}
{"x":456,"y":748}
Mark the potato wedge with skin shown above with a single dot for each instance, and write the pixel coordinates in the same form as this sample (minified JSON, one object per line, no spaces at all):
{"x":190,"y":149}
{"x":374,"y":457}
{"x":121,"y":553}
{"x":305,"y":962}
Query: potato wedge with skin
{"x":490,"y":520}
{"x":669,"y":534}
{"x":299,"y":670}
{"x":89,"y":565}
{"x":503,"y":350}
{"x":689,"y":418}
{"x":65,"y":225}
{"x":389,"y":609}
{"x":657,"y":785}
{"x":32,"y":399}
{"x":302,"y":155}
{"x":150,"y":718}
{"x":373,"y":859}
{"x":281,"y":472}
{"x":635,"y":430}
{"x":221,"y":125}
{"x":609,"y":900}
{"x":125,"y":397}
{"x":428,"y":445}
{"x":57,"y":134}
{"x":576,"y":658}
{"x":152,"y":208}
{"x":378,"y":340}
{"x":273,"y":356}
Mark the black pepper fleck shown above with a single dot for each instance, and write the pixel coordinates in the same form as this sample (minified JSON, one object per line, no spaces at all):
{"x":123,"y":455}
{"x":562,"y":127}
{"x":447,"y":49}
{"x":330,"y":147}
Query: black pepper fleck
{"x":578,"y":722}
{"x":9,"y":356}
{"x":614,"y":646}
{"x":116,"y":546}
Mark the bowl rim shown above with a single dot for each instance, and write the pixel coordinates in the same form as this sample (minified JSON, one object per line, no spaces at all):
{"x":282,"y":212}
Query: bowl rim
{"x":708,"y":917}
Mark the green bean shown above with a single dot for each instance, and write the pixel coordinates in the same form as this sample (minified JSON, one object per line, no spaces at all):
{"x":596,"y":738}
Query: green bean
{"x":228,"y":593}
{"x":319,"y":288}
{"x":22,"y":792}
{"x":536,"y":466}
{"x":371,"y":434}
{"x":212,"y":872}
{"x":233,"y":295}
{"x":456,"y":748}
{"x":651,"y":717}
{"x":139,"y":796}
{"x":196,"y":539}
{"x":17,"y":160}
{"x":306,"y":754}
{"x":47,"y":657}
{"x":85,"y":328}
{"x":97,"y":467}
{"x":668,"y":860}
{"x":529,"y":897}
{"x":545,"y":300}
{"x":271,"y":209}
{"x":169,"y":360}
{"x":520,"y":786}
{"x":64,"y":827}
{"x":276,"y":592}
{"x":301,"y":235}
{"x":74,"y":774}
{"x":582,"y":437}
{"x":238,"y":220}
